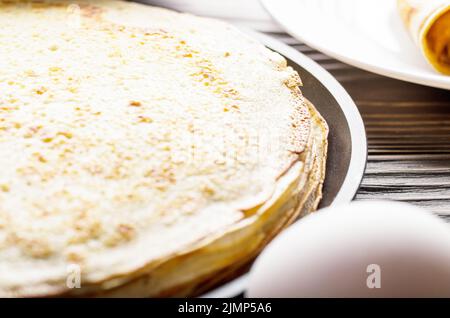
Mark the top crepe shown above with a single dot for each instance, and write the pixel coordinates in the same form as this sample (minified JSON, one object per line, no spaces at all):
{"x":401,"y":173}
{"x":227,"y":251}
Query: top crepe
{"x":137,"y":142}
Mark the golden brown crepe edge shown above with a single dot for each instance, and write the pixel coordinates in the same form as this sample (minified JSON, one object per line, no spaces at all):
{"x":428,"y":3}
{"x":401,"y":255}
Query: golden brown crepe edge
{"x":419,"y":21}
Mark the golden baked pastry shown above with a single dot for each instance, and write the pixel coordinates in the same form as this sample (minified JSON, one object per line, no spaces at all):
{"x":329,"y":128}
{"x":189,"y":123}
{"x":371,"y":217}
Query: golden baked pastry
{"x":428,"y":21}
{"x":155,"y":151}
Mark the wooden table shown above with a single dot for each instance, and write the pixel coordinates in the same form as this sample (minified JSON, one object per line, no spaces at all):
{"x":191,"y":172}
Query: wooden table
{"x":408,"y":125}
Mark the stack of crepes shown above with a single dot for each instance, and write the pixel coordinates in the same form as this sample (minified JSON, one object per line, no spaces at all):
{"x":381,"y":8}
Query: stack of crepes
{"x":144,"y":152}
{"x":428,"y":21}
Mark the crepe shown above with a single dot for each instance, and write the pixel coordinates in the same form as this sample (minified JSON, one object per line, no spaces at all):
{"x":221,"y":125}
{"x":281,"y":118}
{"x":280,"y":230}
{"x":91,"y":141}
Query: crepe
{"x":428,"y":21}
{"x":153,"y":152}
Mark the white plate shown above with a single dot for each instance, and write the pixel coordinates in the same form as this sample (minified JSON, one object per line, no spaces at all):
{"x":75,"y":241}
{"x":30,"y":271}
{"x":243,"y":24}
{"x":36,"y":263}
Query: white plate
{"x":368,"y":34}
{"x":347,"y":151}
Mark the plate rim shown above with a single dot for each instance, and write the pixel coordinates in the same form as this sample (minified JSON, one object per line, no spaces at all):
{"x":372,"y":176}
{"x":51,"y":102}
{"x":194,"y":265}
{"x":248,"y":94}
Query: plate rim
{"x":430,"y":80}
{"x":358,"y":158}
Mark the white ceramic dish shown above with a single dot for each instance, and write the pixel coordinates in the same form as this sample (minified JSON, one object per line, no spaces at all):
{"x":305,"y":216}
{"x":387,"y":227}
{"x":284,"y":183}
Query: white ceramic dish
{"x":347,"y":151}
{"x":368,"y":34}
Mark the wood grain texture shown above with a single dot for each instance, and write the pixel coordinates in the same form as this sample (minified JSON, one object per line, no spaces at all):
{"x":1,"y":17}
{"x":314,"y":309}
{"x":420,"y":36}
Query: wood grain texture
{"x":408,"y":125}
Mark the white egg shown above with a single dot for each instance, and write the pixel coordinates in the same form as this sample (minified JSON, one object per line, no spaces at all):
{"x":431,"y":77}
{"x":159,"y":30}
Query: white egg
{"x":364,"y":249}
